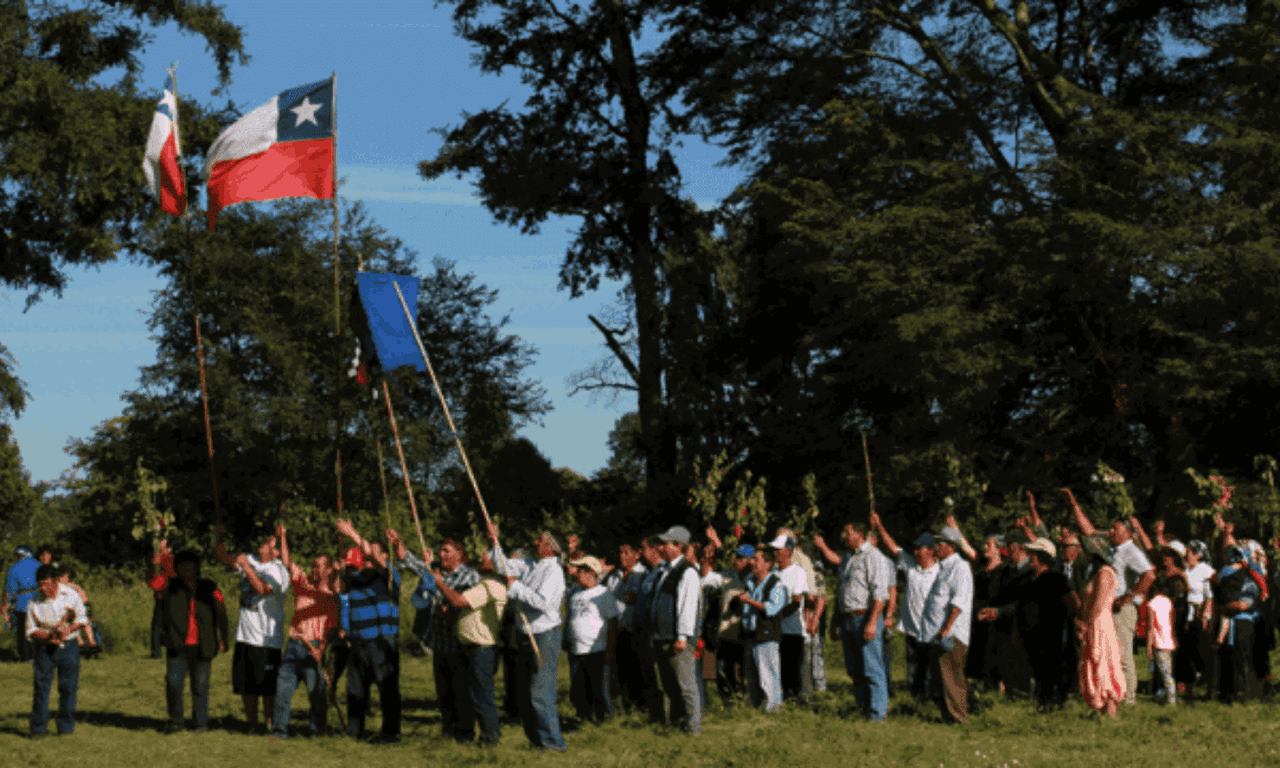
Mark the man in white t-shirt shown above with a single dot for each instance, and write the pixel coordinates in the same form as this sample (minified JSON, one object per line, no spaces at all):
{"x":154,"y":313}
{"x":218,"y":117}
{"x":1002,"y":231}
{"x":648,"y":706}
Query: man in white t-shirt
{"x":592,"y":637}
{"x":260,"y":632}
{"x":791,"y":648}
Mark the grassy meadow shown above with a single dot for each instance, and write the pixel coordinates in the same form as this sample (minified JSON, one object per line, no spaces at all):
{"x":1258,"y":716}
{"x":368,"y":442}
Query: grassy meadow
{"x":121,"y":711}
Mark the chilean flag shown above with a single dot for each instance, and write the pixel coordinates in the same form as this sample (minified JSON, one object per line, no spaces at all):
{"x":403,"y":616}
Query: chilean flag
{"x":284,"y":148}
{"x":160,"y":162}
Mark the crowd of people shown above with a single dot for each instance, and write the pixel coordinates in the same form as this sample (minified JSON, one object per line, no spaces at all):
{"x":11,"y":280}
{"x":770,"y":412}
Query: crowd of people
{"x":656,"y":628}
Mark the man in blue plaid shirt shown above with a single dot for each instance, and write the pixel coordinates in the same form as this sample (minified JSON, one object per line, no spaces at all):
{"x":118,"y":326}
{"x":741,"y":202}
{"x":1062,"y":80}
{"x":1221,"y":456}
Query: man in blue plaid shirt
{"x":449,"y":663}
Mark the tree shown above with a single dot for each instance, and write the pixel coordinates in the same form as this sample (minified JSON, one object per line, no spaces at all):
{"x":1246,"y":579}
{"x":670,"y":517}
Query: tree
{"x":1026,"y":236}
{"x":70,"y":195}
{"x":262,"y":286}
{"x":591,"y":143}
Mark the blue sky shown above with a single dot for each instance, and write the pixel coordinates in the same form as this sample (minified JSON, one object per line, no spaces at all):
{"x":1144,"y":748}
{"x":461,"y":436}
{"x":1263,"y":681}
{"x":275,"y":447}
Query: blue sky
{"x":401,"y":72}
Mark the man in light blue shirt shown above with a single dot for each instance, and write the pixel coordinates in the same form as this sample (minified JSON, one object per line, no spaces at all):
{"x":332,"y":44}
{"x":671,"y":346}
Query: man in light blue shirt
{"x":537,"y":594}
{"x":674,"y":611}
{"x":948,"y":613}
{"x":759,"y":607}
{"x":920,"y":570}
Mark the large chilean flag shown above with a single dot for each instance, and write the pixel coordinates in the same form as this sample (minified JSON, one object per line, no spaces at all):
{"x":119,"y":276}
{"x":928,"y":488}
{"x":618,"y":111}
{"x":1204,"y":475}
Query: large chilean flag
{"x":282,"y":149}
{"x":160,"y":161}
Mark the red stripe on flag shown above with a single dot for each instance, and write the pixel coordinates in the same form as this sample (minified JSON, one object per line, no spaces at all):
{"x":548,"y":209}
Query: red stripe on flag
{"x":173,"y":188}
{"x":287,"y":169}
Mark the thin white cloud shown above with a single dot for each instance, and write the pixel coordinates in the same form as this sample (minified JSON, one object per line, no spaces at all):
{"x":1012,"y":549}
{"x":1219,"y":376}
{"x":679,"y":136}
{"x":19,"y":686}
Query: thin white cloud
{"x":402,"y":184}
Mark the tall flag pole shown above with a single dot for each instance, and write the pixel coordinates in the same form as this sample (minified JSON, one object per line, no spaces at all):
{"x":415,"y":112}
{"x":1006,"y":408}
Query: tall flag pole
{"x":208,"y":432}
{"x":160,"y":160}
{"x":866,"y":459}
{"x":337,"y":301}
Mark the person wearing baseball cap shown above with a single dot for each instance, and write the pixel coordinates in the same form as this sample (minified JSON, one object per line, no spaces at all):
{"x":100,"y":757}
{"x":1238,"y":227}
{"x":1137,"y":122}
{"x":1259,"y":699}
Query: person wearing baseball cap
{"x":920,"y":567}
{"x":19,"y":590}
{"x":674,"y":618}
{"x":945,"y":625}
{"x":591,"y":640}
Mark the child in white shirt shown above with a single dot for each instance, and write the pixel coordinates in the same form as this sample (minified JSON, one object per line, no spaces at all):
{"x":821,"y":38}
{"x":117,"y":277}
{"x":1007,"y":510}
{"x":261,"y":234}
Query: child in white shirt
{"x":1160,"y":638}
{"x":593,"y":630}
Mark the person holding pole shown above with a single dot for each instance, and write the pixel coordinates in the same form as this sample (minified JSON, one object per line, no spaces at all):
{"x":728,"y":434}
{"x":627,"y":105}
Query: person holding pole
{"x":315,"y":617}
{"x":194,"y":629}
{"x":865,"y":577}
{"x":537,"y":589}
{"x":372,"y":600}
{"x":449,"y":662}
{"x":255,"y":662}
{"x":920,"y":568}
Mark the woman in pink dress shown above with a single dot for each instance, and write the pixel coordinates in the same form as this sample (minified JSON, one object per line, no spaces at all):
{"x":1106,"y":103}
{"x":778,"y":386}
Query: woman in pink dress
{"x":1101,"y":674}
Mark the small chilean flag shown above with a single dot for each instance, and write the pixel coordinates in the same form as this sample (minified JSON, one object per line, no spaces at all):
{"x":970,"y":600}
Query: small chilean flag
{"x":282,"y":149}
{"x":160,"y":162}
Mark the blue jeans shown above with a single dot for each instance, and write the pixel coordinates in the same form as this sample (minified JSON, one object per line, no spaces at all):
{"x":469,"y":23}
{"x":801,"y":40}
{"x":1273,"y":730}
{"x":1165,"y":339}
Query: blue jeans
{"x":864,"y":661}
{"x":763,"y":667}
{"x":180,"y":665}
{"x":538,"y":686}
{"x":373,"y":662}
{"x":481,"y":662}
{"x":589,"y":686}
{"x":65,"y":661}
{"x":297,"y":663}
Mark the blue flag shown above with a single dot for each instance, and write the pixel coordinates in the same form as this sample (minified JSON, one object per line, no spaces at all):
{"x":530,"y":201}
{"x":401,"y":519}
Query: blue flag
{"x":385,"y":333}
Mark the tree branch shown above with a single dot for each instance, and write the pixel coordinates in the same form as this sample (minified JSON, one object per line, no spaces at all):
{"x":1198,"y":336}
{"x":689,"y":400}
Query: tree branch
{"x":616,"y":347}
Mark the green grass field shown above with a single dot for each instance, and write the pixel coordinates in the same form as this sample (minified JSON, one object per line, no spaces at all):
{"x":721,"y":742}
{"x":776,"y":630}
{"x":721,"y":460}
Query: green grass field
{"x":121,"y":711}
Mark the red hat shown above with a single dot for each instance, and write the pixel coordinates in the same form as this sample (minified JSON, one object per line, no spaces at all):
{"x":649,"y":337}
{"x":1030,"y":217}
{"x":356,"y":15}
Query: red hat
{"x":354,"y":558}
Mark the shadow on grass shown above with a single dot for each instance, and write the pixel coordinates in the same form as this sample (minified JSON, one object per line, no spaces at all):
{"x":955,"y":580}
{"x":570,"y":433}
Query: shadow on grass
{"x":121,"y":720}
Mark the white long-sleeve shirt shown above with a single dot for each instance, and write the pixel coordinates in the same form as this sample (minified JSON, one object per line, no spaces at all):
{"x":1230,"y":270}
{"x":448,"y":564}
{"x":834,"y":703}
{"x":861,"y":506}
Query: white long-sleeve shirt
{"x":539,"y":593}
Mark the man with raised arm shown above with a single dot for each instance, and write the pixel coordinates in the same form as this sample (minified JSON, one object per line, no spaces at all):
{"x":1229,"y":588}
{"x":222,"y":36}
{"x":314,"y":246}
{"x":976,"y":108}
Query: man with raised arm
{"x":449,"y":662}
{"x":865,"y":577}
{"x":1134,"y":576}
{"x":479,"y":624}
{"x":255,"y":662}
{"x":948,"y":613}
{"x":920,"y":569}
{"x":537,"y":588}
{"x":193,"y":629}
{"x":315,"y":617}
{"x":372,"y":598}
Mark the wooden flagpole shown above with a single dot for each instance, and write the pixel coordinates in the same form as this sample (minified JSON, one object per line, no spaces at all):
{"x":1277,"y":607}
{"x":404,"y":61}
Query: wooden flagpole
{"x":404,"y":467}
{"x":866,"y":458}
{"x":458,"y":442}
{"x":208,"y":432}
{"x":337,"y":306}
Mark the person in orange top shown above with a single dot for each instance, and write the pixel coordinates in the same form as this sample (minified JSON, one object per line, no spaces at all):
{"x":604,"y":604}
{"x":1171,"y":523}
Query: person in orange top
{"x":192,"y":608}
{"x":315,"y":617}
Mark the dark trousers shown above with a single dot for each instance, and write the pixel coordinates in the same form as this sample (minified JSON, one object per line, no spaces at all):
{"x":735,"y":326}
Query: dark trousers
{"x":157,"y":628}
{"x":510,"y":682}
{"x":1234,"y":674}
{"x":648,"y":676}
{"x":950,"y":688}
{"x":181,"y":665}
{"x":457,"y":717}
{"x":1047,"y":657}
{"x":298,"y":665}
{"x":373,"y":662}
{"x":1010,"y":661}
{"x":631,"y":682}
{"x":20,"y":627}
{"x":730,"y":657}
{"x":791,"y":649}
{"x":919,"y":668}
{"x":589,"y":686}
{"x":47,"y":661}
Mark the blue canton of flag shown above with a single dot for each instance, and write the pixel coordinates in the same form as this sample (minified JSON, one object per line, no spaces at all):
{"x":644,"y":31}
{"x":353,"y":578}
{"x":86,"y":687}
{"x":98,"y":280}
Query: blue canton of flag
{"x":306,"y":112}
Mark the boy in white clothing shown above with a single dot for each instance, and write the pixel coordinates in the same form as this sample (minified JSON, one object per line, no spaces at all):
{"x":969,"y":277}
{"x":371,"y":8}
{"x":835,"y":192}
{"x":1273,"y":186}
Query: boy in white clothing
{"x":593,"y":632}
{"x":1160,"y":638}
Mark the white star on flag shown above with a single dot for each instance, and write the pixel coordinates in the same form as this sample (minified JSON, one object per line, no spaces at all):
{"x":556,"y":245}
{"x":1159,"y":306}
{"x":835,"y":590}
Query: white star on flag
{"x":306,"y":112}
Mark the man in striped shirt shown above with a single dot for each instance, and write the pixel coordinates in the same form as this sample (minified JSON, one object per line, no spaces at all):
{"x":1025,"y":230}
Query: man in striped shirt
{"x":371,"y":621}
